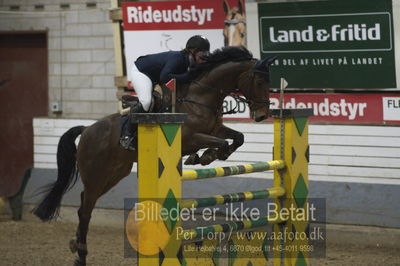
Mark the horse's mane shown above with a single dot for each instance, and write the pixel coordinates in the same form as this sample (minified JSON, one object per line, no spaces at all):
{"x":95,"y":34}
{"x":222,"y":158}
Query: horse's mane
{"x":220,"y":56}
{"x":228,"y":53}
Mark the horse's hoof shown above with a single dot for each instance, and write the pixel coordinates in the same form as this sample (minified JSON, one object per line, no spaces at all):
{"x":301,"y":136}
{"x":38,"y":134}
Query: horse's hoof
{"x":223,"y":152}
{"x":192,"y":159}
{"x":73,"y":246}
{"x":78,"y":262}
{"x":223,"y":157}
{"x":206,"y":160}
{"x":189,"y":162}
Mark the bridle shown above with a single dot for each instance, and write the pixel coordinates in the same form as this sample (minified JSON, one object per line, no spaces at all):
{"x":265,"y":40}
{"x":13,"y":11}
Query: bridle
{"x":251,"y":103}
{"x":234,"y":21}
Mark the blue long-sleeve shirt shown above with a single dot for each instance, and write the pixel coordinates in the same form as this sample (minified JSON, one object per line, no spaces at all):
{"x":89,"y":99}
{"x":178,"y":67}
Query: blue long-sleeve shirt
{"x":162,"y":67}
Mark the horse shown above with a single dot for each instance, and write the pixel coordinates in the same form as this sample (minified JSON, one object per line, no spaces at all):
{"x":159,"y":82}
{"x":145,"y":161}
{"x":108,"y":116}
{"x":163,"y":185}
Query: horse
{"x":102,"y":162}
{"x":235,"y":24}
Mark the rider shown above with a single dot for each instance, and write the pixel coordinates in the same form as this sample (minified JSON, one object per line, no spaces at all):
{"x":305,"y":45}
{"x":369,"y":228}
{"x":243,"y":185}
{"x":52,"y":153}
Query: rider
{"x":152,"y":69}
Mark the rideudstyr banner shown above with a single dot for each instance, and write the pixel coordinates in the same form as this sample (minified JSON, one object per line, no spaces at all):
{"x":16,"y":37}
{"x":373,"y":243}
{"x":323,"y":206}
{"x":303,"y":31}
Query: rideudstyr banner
{"x":158,"y":26}
{"x":380,"y":109}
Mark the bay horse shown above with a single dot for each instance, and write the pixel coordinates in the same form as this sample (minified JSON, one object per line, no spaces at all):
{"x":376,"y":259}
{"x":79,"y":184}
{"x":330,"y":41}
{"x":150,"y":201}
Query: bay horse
{"x":102,"y":162}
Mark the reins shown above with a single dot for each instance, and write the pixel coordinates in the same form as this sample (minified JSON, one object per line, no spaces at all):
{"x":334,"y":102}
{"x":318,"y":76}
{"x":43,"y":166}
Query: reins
{"x":182,"y":100}
{"x":214,"y":110}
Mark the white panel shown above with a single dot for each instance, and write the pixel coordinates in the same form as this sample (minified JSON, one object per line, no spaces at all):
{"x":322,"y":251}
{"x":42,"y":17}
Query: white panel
{"x":338,"y":153}
{"x":384,"y":131}
{"x":355,"y":140}
{"x":43,"y":123}
{"x":44,"y":158}
{"x":342,"y":179}
{"x":42,"y":131}
{"x":255,"y":147}
{"x":353,"y":171}
{"x":250,"y":157}
{"x":382,"y":152}
{"x":68,"y":123}
{"x":45,"y":165}
{"x":259,"y":137}
{"x":252,"y":128}
{"x":65,"y":123}
{"x":45,"y":149}
{"x":355,"y":161}
{"x":39,"y":140}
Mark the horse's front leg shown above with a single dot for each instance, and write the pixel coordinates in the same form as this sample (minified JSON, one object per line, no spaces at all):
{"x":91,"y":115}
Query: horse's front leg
{"x":229,"y":133}
{"x":214,"y":144}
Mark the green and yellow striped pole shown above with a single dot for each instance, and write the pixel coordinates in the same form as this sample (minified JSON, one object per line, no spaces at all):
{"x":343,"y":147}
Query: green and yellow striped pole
{"x":233,"y":197}
{"x":291,"y":145}
{"x":232,"y":170}
{"x":159,"y":180}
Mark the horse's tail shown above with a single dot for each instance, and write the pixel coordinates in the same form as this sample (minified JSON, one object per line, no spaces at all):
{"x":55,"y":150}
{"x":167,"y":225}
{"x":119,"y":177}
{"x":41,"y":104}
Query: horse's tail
{"x":48,"y":209}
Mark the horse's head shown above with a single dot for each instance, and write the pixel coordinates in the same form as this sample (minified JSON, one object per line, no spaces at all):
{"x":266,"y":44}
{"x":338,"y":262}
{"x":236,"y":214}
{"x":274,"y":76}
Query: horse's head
{"x":235,"y":25}
{"x":256,"y":89}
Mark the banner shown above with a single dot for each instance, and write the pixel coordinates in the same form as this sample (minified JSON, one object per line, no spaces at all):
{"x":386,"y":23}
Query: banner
{"x":333,"y":108}
{"x":330,"y":44}
{"x":158,"y":26}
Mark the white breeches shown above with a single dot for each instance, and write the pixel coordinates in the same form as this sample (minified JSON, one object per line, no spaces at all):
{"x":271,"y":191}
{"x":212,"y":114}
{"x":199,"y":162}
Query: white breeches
{"x":143,"y":87}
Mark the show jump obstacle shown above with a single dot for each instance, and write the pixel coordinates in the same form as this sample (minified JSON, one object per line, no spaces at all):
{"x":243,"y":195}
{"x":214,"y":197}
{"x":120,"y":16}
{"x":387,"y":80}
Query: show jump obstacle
{"x":160,"y":177}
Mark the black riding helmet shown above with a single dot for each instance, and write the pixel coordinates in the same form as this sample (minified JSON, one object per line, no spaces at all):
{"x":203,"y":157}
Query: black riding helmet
{"x":198,"y":42}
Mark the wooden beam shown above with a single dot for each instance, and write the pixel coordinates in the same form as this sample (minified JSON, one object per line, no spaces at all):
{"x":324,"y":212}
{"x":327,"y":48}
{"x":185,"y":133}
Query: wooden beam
{"x":120,"y":81}
{"x":115,"y":14}
{"x":117,"y":42}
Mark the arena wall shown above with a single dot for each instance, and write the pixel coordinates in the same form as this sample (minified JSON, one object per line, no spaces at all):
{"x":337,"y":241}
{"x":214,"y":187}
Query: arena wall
{"x":353,"y":168}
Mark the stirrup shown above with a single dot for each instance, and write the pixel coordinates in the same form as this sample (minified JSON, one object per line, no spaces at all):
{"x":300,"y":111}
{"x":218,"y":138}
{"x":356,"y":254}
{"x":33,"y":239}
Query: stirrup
{"x":127,"y":143}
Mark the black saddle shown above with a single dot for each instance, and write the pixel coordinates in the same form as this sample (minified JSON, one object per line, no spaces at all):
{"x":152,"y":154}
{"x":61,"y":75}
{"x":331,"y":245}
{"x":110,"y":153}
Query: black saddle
{"x":160,"y":105}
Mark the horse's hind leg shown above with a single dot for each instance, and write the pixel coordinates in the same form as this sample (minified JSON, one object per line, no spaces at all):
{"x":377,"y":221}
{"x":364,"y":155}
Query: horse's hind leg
{"x":73,"y":245}
{"x":88,"y":202}
{"x":216,"y":145}
{"x":228,"y":133}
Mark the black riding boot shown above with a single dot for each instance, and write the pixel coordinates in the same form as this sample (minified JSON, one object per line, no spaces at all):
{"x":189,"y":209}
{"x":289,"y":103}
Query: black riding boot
{"x":129,"y":134}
